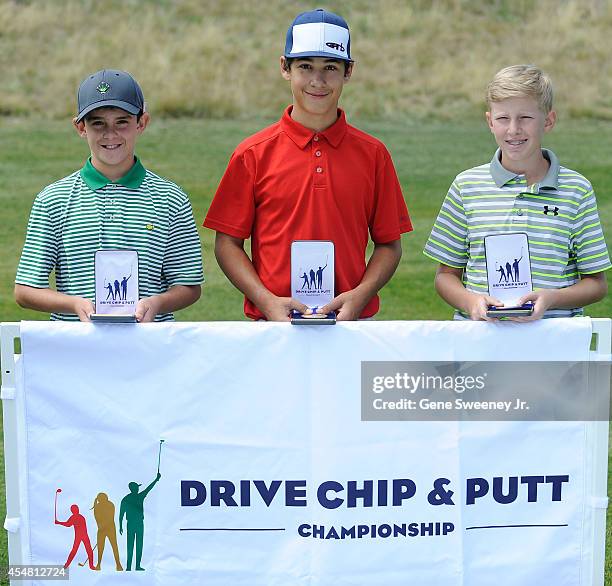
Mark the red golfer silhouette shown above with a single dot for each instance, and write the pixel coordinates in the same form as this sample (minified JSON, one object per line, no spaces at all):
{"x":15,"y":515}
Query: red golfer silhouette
{"x":77,"y":521}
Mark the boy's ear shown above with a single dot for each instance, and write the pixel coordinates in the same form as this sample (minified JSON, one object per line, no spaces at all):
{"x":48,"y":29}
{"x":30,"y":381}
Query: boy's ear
{"x":285,"y":70}
{"x":489,"y":120}
{"x":550,"y":120}
{"x":80,"y":127}
{"x":348,"y":72}
{"x":145,"y":118}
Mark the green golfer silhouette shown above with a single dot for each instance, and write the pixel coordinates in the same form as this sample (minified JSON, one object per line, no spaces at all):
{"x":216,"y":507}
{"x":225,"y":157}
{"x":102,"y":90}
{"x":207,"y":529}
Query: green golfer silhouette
{"x":132,"y":506}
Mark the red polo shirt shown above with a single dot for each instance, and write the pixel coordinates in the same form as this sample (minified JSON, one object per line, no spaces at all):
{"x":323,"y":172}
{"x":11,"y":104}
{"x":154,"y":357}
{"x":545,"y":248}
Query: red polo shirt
{"x":288,"y":182}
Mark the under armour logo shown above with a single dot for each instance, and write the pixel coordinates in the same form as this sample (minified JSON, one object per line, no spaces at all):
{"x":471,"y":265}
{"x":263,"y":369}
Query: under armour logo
{"x":336,"y":46}
{"x":548,"y":211}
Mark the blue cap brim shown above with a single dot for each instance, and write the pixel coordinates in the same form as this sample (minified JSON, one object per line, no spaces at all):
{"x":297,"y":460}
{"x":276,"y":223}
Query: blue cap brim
{"x":318,"y":54}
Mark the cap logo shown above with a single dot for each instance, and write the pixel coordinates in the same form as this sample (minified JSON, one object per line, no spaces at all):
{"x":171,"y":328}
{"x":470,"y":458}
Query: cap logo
{"x":321,"y":39}
{"x":103,"y":87}
{"x":336,"y":46}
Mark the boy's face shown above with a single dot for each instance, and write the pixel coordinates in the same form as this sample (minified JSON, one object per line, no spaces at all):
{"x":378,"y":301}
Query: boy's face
{"x":111,"y":135}
{"x":518,"y":125}
{"x":316,"y":84}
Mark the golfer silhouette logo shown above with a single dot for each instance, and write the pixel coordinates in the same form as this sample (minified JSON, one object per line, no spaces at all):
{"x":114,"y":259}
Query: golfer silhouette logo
{"x":132,"y":509}
{"x":313,"y":279}
{"x":104,"y":512}
{"x":511,"y":272}
{"x":117,"y":290}
{"x":79,"y":524}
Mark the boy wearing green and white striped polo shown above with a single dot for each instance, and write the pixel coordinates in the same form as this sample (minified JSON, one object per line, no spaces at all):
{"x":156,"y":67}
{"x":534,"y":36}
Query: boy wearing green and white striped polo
{"x":523,"y":189}
{"x":113,"y":202}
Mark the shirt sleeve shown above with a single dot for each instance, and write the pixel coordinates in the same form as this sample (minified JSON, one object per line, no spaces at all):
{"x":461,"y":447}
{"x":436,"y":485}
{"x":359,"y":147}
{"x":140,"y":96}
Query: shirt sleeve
{"x":390,"y":218}
{"x":39,"y":255}
{"x":587,"y":239}
{"x":447,"y":242}
{"x":182,"y":263}
{"x":232,"y":210}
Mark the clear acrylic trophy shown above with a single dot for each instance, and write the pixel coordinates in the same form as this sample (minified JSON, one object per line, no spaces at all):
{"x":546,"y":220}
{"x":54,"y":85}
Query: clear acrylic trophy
{"x":312,"y":280}
{"x":508,"y":273}
{"x":116,"y":277}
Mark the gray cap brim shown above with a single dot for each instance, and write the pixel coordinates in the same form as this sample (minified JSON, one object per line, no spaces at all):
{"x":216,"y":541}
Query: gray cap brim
{"x":105,"y":103}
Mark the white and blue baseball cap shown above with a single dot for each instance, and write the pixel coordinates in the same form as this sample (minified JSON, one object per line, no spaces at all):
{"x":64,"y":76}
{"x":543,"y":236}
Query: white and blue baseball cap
{"x":318,"y":33}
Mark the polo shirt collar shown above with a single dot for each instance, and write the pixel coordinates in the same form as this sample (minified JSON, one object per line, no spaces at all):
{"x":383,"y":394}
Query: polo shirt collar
{"x":501,"y":175}
{"x":302,"y":136}
{"x":95,"y":180}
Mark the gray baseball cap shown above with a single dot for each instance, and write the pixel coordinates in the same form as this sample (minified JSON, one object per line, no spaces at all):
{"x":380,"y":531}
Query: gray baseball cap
{"x":109,"y":87}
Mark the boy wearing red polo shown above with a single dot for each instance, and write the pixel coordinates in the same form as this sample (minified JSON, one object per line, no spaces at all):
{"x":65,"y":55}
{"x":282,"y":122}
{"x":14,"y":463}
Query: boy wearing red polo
{"x":310,"y":176}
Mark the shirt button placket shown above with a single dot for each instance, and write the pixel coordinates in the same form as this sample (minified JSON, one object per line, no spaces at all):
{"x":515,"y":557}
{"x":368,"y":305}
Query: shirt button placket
{"x":111,"y":202}
{"x":518,"y":215}
{"x":519,"y":204}
{"x":105,"y":211}
{"x":319,"y":180}
{"x":319,"y":165}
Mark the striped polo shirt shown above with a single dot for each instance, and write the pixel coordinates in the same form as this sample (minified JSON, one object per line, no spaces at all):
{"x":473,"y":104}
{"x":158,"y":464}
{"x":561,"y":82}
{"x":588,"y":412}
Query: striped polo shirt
{"x":85,"y":212}
{"x":558,"y":214}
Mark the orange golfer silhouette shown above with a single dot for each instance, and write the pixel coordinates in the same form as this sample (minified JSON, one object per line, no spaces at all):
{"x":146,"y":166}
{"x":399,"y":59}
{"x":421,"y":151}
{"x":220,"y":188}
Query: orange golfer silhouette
{"x":104,"y":512}
{"x":77,"y":521}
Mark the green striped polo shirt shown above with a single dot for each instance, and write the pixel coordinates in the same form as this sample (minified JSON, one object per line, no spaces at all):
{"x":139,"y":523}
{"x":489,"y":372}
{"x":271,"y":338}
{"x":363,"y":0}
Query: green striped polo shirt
{"x":558,"y":214}
{"x":76,"y":216}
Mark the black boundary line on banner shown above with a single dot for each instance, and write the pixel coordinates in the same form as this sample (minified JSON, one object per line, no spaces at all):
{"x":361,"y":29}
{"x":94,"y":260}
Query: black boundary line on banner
{"x":229,"y":529}
{"x":511,"y":526}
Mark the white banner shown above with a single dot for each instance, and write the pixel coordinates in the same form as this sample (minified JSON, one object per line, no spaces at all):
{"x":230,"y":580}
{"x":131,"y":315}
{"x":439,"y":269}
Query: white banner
{"x":268,"y":475}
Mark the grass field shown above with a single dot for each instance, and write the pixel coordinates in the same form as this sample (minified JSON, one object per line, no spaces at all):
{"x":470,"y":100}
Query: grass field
{"x":418,"y":58}
{"x":194,"y":153}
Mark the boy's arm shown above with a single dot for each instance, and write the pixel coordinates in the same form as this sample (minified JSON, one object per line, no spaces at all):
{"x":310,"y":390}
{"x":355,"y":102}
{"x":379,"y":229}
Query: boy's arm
{"x":592,"y":260}
{"x":590,"y":289}
{"x":450,"y":287}
{"x":49,"y":300}
{"x":239,"y":269}
{"x":380,"y":269}
{"x":177,"y":297}
{"x":182,"y":267}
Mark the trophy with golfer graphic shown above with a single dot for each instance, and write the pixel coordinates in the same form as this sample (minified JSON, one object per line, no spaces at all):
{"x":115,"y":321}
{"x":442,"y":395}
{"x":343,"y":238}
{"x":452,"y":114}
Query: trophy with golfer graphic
{"x":312,"y":280}
{"x":116,"y":276}
{"x":508,"y":273}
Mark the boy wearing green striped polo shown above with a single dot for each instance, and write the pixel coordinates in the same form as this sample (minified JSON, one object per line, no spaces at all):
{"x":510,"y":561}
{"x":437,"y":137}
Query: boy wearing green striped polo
{"x":523,"y":189}
{"x":113,"y":202}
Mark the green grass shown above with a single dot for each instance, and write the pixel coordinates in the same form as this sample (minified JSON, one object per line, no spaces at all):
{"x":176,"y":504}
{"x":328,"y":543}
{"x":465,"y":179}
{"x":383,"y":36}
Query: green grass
{"x":194,"y":154}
